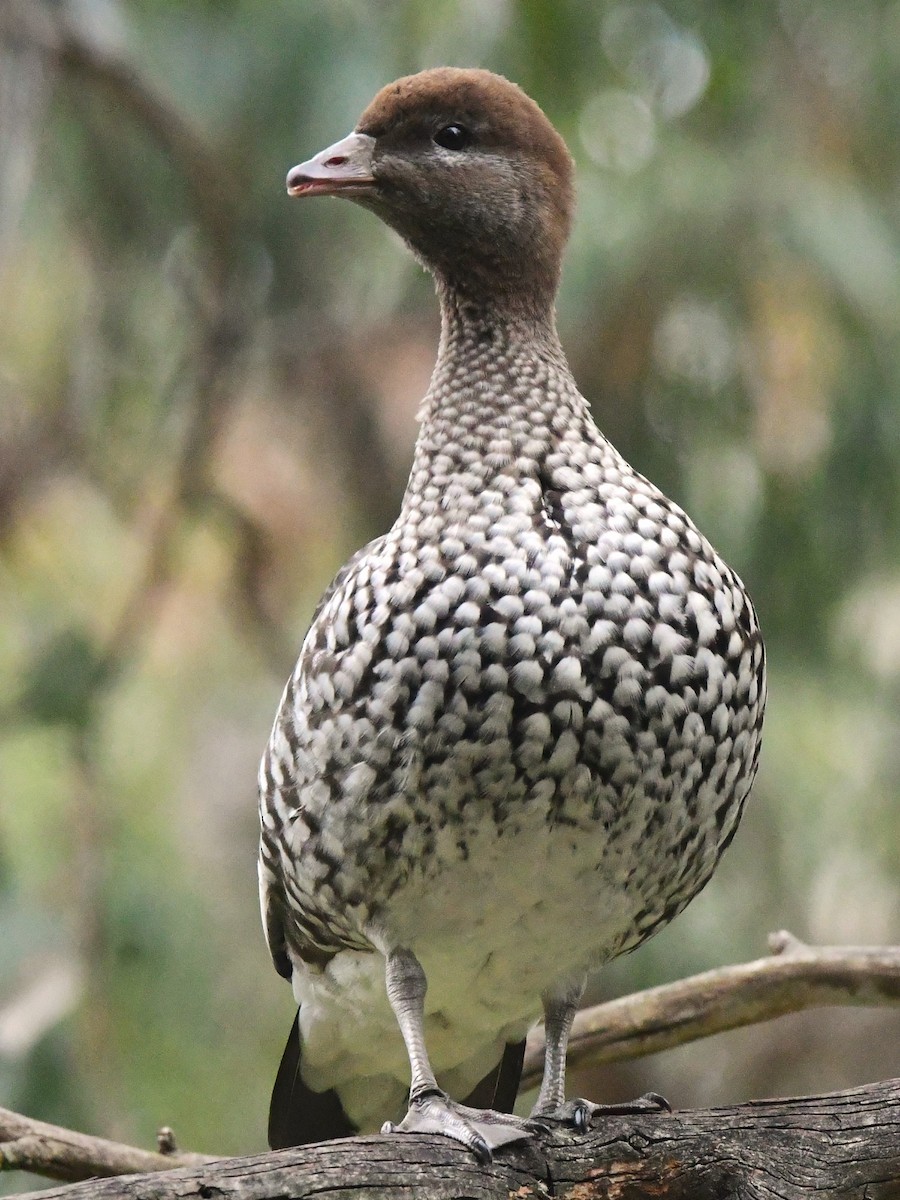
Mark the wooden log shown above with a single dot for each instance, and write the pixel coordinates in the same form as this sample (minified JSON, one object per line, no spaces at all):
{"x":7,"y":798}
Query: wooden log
{"x":846,"y":1144}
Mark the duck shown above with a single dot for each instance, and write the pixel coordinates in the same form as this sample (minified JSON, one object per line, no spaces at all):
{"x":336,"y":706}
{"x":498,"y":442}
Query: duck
{"x":524,"y":720}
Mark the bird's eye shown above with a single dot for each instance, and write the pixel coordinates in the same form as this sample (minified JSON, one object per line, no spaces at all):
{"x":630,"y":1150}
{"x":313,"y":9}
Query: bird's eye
{"x":453,"y":137}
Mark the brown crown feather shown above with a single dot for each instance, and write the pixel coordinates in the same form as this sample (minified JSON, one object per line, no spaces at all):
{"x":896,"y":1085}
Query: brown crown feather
{"x":505,"y":116}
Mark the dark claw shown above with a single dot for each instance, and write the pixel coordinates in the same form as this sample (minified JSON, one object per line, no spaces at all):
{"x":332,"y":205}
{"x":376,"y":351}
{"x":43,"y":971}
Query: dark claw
{"x":655,"y":1100}
{"x":481,"y":1150}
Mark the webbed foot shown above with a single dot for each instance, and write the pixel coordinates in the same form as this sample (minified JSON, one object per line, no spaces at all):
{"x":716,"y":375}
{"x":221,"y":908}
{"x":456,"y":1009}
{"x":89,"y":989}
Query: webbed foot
{"x":479,"y":1129}
{"x":579,"y":1114}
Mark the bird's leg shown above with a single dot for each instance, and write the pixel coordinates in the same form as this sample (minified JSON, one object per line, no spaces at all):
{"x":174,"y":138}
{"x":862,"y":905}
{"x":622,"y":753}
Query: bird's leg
{"x":551,"y":1106}
{"x":406,"y":987}
{"x":559,"y":1013}
{"x":430,"y":1108}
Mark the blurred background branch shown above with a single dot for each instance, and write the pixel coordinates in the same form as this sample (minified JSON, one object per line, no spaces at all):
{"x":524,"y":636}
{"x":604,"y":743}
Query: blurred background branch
{"x":72,"y":39}
{"x":207,"y":401}
{"x":796,"y":977}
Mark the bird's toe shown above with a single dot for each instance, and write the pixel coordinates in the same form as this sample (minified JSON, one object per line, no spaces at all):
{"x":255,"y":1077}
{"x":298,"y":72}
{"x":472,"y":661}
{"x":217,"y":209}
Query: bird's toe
{"x":579,"y":1114}
{"x":480,"y":1130}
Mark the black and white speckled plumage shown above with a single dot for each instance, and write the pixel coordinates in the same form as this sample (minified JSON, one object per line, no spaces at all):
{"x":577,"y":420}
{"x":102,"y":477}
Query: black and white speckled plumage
{"x":520,"y":732}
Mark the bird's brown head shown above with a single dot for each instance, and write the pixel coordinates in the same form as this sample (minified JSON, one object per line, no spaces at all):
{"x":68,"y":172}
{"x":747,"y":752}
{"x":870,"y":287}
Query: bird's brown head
{"x":470,"y":172}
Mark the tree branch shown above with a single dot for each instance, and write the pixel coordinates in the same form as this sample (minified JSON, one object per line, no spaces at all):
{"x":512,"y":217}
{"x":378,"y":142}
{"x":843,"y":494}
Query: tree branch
{"x":29,"y":1145}
{"x":795,"y":977}
{"x":845,"y":1144}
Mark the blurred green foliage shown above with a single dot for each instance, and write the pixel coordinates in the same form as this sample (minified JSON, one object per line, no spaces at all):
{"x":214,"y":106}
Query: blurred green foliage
{"x":207,"y":400}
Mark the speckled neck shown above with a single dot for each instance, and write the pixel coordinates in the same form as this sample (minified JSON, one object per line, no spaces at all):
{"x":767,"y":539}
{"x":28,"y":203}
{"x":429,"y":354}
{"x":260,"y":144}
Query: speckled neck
{"x":501,"y":399}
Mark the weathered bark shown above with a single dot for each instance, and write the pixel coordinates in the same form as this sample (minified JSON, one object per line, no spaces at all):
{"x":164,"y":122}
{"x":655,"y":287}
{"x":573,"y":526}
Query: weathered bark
{"x":846,"y":1144}
{"x":30,"y":1145}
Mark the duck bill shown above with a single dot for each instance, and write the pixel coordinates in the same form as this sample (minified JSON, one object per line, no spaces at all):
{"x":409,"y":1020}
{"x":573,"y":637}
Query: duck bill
{"x":344,"y":167}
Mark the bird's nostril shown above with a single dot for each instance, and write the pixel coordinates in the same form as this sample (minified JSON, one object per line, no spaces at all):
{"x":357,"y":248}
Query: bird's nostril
{"x":337,"y":161}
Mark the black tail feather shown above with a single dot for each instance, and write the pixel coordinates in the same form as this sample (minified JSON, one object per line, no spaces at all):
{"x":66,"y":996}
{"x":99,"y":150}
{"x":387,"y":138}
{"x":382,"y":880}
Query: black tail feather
{"x":499,"y":1088}
{"x":297,"y":1114}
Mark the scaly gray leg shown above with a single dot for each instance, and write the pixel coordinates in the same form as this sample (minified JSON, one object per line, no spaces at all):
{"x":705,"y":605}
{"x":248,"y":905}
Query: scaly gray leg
{"x":406,"y":988}
{"x":430,"y":1108}
{"x":551,"y":1106}
{"x":559,"y":1013}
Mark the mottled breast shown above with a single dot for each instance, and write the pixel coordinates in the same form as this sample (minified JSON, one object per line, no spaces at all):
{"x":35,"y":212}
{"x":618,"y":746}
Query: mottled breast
{"x":558,"y":640}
